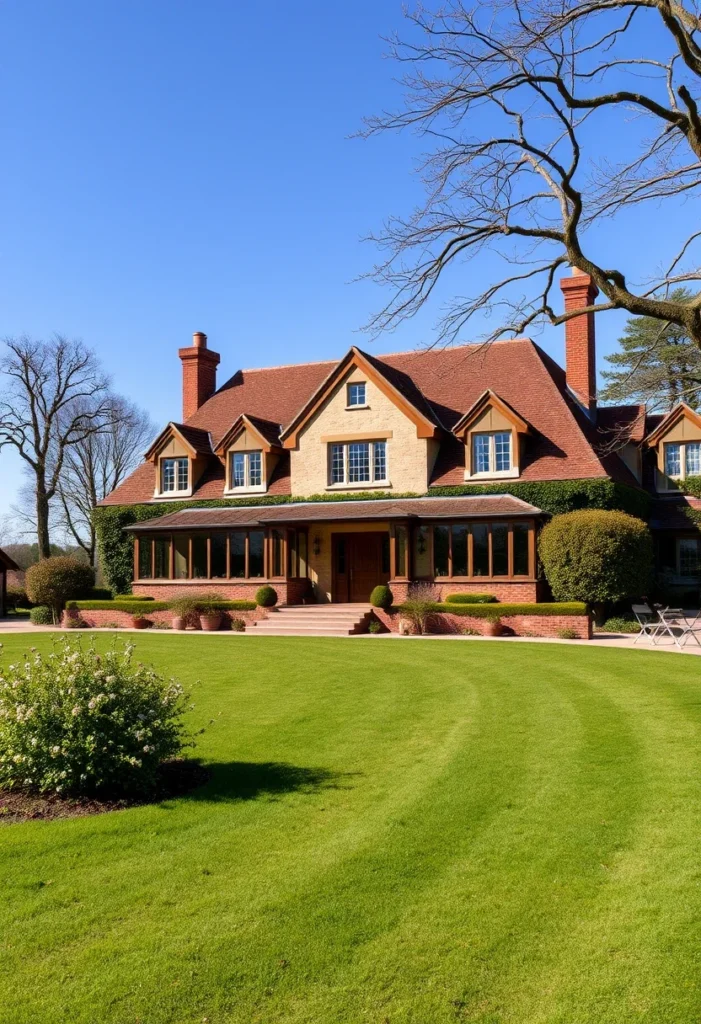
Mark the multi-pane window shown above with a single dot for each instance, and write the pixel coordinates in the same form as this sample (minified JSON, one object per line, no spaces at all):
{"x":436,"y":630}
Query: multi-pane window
{"x":689,"y":557}
{"x":491,"y":453}
{"x":358,"y":462}
{"x":174,"y":475}
{"x":693,"y":459}
{"x":482,"y":549}
{"x":356,"y":394}
{"x":239,"y":554}
{"x":673,"y":459}
{"x":246,"y":469}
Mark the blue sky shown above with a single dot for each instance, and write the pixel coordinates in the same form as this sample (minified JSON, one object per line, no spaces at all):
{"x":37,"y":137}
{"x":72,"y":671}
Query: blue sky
{"x":172,"y":166}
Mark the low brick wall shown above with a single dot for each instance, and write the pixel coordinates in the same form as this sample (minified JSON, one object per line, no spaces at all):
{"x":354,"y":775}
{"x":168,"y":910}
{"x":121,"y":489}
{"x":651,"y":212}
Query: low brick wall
{"x":514,"y":625}
{"x":230,"y":591}
{"x":528,"y":591}
{"x":104,"y":617}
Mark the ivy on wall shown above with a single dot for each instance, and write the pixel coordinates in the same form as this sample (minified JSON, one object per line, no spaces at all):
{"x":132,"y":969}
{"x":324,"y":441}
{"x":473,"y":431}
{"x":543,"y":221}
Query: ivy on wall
{"x":552,"y":496}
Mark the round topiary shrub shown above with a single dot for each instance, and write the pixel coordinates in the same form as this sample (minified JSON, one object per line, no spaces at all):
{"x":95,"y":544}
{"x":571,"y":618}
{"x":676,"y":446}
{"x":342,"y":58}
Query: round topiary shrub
{"x":381,"y":597}
{"x":266,"y":597}
{"x":41,"y":615}
{"x":596,"y":556}
{"x":53,"y":581}
{"x":86,"y":724}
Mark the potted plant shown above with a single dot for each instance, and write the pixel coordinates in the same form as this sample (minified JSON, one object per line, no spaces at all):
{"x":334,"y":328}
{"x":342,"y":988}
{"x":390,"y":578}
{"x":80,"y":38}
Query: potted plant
{"x":139,"y":622}
{"x":187,"y":610}
{"x":493,"y":625}
{"x":210,"y":615}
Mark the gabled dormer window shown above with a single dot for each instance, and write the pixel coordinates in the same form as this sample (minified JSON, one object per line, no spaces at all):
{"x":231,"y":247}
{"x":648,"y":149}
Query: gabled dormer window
{"x":491,"y":453}
{"x":355,"y":395}
{"x":175,"y":475}
{"x":245,"y":470}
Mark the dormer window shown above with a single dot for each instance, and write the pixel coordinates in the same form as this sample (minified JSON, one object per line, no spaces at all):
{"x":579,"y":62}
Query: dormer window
{"x":682,"y":460}
{"x":491,"y":453}
{"x":175,"y":475}
{"x":355,"y":395}
{"x":246,"y":470}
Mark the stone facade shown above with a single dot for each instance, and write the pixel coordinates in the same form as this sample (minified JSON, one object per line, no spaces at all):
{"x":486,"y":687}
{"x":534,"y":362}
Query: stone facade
{"x":409,"y":458}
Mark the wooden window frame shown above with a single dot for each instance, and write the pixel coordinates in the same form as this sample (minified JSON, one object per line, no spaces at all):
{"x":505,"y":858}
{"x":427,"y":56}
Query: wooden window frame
{"x":510,"y":577}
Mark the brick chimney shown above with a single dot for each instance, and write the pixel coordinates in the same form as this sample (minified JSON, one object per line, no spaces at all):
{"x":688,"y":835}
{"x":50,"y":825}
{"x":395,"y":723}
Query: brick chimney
{"x":199,"y":374}
{"x":580,"y":348}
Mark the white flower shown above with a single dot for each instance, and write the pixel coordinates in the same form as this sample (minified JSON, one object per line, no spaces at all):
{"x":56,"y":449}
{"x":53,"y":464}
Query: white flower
{"x":76,"y":710}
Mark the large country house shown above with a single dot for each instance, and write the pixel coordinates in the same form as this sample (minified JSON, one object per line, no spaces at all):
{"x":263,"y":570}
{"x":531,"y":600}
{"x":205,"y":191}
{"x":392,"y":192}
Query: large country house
{"x":283,"y":449}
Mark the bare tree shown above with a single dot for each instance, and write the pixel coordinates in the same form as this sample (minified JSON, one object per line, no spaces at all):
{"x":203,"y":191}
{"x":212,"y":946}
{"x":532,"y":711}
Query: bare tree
{"x":43,"y":411}
{"x":93,"y":467}
{"x":521,"y":101}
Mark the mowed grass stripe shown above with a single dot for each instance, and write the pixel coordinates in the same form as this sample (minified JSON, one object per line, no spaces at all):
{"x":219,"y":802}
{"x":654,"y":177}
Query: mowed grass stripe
{"x":477,"y":853}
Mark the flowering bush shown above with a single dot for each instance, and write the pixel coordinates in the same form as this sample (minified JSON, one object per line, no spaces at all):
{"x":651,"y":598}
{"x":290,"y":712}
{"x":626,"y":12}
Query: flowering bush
{"x":79,"y":722}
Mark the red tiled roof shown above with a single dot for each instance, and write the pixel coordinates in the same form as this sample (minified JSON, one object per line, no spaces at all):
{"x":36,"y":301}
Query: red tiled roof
{"x":626,"y":422}
{"x":442,"y":383}
{"x":470,"y":507}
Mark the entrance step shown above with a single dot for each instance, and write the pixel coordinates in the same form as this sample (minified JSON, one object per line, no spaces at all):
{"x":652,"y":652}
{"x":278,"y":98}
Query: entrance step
{"x":314,"y":620}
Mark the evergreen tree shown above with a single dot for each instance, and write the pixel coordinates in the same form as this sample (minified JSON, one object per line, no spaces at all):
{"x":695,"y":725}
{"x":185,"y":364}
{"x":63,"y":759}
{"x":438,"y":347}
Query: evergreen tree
{"x":657,"y":365}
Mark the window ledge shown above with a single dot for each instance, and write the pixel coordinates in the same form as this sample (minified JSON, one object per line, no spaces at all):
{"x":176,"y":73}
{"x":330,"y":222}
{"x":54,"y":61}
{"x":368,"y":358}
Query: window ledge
{"x":165,"y":495}
{"x":508,"y":474}
{"x":232,"y":492}
{"x":367,"y":486}
{"x":352,"y":408}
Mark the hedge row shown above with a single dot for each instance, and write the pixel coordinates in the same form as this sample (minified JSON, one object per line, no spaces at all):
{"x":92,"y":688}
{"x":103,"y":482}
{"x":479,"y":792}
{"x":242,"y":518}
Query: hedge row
{"x":552,"y":496}
{"x":137,"y":607}
{"x":488,"y":611}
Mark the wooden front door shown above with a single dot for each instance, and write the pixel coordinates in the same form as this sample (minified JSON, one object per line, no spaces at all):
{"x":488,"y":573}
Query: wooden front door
{"x":360,"y":562}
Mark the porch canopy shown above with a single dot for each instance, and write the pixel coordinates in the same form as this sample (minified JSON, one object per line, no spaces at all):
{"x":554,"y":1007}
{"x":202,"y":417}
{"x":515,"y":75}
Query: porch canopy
{"x":478,"y":506}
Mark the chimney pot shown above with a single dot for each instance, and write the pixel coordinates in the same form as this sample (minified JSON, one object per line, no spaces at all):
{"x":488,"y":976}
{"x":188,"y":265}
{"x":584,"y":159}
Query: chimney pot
{"x":580,"y":342}
{"x":199,"y":374}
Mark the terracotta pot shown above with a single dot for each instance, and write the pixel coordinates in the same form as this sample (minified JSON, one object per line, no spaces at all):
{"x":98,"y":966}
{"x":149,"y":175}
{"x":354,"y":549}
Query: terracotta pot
{"x":493,"y":628}
{"x":210,"y":623}
{"x":178,"y":622}
{"x":139,"y":622}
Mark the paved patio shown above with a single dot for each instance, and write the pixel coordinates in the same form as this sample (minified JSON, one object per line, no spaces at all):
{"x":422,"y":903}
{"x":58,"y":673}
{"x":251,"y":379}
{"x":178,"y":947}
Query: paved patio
{"x":14,"y":626}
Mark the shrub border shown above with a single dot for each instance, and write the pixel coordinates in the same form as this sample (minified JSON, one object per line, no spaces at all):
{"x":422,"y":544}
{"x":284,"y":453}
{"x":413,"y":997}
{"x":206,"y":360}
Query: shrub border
{"x":135,"y":607}
{"x":505,"y":611}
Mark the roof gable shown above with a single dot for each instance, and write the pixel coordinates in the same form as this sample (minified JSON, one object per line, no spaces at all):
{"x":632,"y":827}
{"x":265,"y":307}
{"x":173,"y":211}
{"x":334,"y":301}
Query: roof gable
{"x":267,"y":432}
{"x":679,"y":412}
{"x":490,"y":400}
{"x":405,"y":395}
{"x":195,"y":440}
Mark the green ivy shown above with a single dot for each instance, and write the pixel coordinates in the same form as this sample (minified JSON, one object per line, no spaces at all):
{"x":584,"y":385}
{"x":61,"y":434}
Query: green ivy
{"x":552,"y":496}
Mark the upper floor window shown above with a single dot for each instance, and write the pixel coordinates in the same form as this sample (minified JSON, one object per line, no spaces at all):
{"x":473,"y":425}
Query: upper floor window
{"x":356,"y":394}
{"x":682,"y":460}
{"x":491,"y":453}
{"x":175,"y":475}
{"x":358,"y":462}
{"x":246,"y":469}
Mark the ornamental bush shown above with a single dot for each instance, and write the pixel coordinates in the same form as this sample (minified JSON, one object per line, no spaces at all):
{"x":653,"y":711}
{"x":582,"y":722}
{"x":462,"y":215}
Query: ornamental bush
{"x":41,"y":615}
{"x":53,"y":581}
{"x":596,"y":556}
{"x":470,"y":599}
{"x":82,"y":723}
{"x":381,"y":597}
{"x":266,"y":597}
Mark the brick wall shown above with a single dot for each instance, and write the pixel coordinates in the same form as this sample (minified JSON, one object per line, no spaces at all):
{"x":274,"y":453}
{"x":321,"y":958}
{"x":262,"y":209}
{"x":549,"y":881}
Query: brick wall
{"x":230,"y":590}
{"x":112,"y":617}
{"x":506,"y":592}
{"x":516,"y":625}
{"x":580,"y":350}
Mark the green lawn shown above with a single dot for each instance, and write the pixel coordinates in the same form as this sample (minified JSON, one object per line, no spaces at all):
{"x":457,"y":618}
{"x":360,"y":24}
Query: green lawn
{"x":395,"y":831}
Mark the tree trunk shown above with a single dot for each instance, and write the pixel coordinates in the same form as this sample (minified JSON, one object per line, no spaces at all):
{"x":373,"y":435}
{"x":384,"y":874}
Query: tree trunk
{"x":42,"y":504}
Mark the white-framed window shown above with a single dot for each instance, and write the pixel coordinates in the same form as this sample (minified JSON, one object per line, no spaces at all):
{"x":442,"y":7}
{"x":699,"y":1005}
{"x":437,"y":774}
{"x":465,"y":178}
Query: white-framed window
{"x":355,"y":395}
{"x":358,"y":462}
{"x":175,"y":475}
{"x":491,"y":453}
{"x":682,"y":459}
{"x":245,"y":470}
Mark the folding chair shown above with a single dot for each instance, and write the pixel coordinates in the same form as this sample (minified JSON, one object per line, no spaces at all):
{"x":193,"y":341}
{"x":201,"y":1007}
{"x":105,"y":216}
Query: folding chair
{"x":648,"y":621}
{"x":692,"y":627}
{"x":671,"y":619}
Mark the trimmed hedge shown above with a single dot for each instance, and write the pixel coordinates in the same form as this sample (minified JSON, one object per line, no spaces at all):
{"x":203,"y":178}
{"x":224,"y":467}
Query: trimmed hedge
{"x":597,"y":555}
{"x":552,"y":496}
{"x":489,"y":611}
{"x":138,"y":607}
{"x":470,"y":599}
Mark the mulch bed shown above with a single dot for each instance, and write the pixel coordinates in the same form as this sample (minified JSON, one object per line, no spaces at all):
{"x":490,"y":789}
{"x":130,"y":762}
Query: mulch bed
{"x":178,"y":777}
